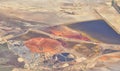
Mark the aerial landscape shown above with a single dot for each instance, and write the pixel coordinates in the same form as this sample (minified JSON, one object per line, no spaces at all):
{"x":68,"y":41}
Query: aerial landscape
{"x":59,"y":35}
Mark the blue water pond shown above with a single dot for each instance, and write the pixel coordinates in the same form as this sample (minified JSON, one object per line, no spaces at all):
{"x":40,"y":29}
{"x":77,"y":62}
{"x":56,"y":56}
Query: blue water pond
{"x":97,"y":29}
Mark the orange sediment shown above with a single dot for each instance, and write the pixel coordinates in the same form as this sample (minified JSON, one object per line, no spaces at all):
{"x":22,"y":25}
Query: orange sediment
{"x":39,"y":45}
{"x":67,"y":32}
{"x":109,"y":57}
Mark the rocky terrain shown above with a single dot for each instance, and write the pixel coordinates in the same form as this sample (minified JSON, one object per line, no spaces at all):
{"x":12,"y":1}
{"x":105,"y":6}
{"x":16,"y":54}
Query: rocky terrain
{"x":34,"y":36}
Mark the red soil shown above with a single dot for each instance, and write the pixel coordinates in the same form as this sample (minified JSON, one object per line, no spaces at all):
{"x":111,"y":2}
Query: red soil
{"x":67,"y":32}
{"x":43,"y":45}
